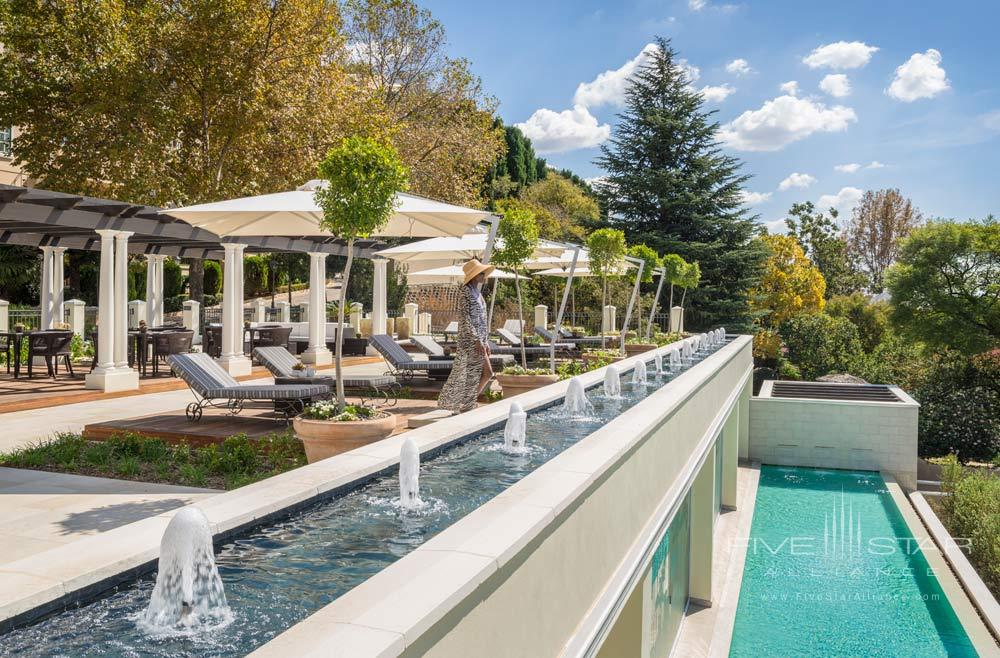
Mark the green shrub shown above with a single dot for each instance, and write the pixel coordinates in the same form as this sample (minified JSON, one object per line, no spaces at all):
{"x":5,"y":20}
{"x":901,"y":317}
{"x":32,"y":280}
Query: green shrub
{"x":894,"y":361}
{"x":870,"y":318}
{"x":173,"y":278}
{"x":971,"y":511}
{"x":255,"y":270}
{"x":212,"y":281}
{"x":818,"y":344}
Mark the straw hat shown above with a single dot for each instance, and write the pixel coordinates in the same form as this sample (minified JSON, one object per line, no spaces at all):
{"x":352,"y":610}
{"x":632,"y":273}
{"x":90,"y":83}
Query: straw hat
{"x":474,"y":268}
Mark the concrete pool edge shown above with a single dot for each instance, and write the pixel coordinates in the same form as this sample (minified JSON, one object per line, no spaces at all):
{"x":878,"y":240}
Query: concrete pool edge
{"x":980,"y":636}
{"x":41,"y":584}
{"x":972,"y":584}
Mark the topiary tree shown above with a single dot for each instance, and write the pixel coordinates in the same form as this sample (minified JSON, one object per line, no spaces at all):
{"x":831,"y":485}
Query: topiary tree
{"x":674,"y":266}
{"x":363,"y":176}
{"x":517,"y":239}
{"x":651,"y":261}
{"x":213,"y":277}
{"x":690,"y":279}
{"x":606,"y":247}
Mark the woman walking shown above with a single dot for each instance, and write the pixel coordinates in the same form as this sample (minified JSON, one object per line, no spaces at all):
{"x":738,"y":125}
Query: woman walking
{"x":472,"y":372}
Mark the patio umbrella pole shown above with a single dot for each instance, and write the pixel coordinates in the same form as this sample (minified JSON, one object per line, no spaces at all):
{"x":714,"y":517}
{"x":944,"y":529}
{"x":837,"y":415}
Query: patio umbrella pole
{"x":562,"y":309}
{"x":656,"y":298}
{"x":631,"y":302}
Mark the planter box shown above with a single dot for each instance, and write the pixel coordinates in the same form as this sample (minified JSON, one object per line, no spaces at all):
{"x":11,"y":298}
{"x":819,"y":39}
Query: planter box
{"x":589,"y":358}
{"x":632,"y":349}
{"x":517,"y":384}
{"x":325,"y":438}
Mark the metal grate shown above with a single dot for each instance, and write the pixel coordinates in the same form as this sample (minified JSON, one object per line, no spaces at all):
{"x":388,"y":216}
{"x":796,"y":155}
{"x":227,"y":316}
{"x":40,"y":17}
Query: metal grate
{"x":848,"y":392}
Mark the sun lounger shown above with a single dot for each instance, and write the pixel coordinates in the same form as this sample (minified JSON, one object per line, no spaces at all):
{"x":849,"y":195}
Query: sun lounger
{"x":281,"y":363}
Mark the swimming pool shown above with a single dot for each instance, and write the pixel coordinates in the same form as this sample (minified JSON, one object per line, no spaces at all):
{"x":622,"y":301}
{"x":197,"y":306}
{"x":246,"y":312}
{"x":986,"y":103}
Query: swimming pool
{"x":832,"y":570}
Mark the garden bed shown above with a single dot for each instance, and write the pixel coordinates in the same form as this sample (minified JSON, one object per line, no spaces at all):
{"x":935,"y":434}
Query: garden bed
{"x":235,"y":462}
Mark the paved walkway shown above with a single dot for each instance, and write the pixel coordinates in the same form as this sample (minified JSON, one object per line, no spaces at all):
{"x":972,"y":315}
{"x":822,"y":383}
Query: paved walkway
{"x":40,"y":510}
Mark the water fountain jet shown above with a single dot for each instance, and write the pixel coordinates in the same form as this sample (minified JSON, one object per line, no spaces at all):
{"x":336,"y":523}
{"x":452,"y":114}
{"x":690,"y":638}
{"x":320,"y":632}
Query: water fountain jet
{"x":409,"y":475}
{"x":188,"y":594}
{"x":639,"y":372}
{"x":658,"y":362}
{"x":576,"y":402}
{"x":612,"y":382}
{"x":515,"y":431}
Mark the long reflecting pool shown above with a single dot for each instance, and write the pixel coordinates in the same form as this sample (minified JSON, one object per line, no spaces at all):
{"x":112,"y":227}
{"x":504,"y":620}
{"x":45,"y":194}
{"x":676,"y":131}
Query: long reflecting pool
{"x":280,"y":573}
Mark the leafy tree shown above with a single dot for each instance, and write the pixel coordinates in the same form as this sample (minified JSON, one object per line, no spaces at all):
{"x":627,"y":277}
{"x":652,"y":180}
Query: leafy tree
{"x":20,"y":273}
{"x":363,"y":176}
{"x":871,"y":318}
{"x":946,"y":286}
{"x":669,"y":185}
{"x":568,"y":210}
{"x":606,"y":247}
{"x":690,"y":279}
{"x":443,"y":122}
{"x":675,"y":267}
{"x":651,"y":262}
{"x":879,"y":223}
{"x":791,"y":283}
{"x":517,"y":239}
{"x":213,"y":277}
{"x":819,"y":344}
{"x":825,"y":245}
{"x":363,"y":281}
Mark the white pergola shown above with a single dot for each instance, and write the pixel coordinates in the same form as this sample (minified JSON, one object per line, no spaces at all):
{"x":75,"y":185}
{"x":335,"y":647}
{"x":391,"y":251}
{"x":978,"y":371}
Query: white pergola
{"x":296,"y":213}
{"x":57,"y":222}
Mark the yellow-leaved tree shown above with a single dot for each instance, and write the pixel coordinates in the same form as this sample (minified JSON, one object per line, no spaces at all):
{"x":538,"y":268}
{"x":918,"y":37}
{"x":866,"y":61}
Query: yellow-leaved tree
{"x":791,"y":284}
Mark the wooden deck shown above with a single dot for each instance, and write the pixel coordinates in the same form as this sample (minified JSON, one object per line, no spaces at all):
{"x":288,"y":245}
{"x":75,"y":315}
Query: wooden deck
{"x":42,"y":391}
{"x":217,"y":425}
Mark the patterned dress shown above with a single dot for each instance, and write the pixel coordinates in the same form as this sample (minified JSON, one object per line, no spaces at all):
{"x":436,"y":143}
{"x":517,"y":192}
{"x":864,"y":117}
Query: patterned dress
{"x":462,"y":388}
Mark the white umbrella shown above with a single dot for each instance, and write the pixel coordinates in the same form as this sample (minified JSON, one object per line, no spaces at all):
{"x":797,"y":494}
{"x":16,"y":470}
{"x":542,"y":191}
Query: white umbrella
{"x":559,"y":260}
{"x":451,"y":274}
{"x":470,"y":245}
{"x":295,"y":214}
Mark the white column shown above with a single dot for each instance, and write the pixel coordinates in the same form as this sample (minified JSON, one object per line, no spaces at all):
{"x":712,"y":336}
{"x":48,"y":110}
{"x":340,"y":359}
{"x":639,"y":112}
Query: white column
{"x":702,"y":524}
{"x":121,"y":300}
{"x":45,"y":294}
{"x":379,"y":285}
{"x":105,"y":376}
{"x":304,"y":311}
{"x":355,"y":313}
{"x":284,"y":311}
{"x":411,"y":311}
{"x":233,"y":359}
{"x":731,"y":455}
{"x":259,"y":311}
{"x":77,"y":309}
{"x":317,"y":352}
{"x":58,"y":285}
{"x":4,"y":315}
{"x":150,"y":290}
{"x":609,"y":320}
{"x":158,"y":283}
{"x":192,"y":319}
{"x":542,"y":316}
{"x":137,"y":310}
{"x":676,"y":319}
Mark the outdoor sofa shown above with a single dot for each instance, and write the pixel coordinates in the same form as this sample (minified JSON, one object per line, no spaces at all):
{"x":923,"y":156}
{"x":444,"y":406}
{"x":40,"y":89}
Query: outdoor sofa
{"x":212,"y":386}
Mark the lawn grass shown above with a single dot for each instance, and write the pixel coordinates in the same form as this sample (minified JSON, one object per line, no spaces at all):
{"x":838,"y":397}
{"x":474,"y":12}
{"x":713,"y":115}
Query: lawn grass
{"x":235,"y":462}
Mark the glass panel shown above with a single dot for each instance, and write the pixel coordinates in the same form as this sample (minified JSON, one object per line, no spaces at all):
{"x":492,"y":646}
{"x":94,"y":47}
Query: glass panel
{"x":668,"y":584}
{"x":6,"y":135}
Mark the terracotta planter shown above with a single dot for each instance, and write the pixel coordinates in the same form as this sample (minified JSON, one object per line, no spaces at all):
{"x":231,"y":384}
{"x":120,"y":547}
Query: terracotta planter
{"x":325,"y":438}
{"x":632,"y":349}
{"x":517,"y":384}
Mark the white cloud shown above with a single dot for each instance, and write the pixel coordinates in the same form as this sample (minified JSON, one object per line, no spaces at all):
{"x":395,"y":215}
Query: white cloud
{"x":848,"y":168}
{"x":754,"y":198}
{"x":739,"y":67}
{"x":776,"y":226}
{"x":716,"y":94}
{"x":791,"y":87}
{"x":836,"y":84}
{"x":781,"y":121}
{"x":844,"y":200}
{"x":875,"y":164}
{"x":697,"y":5}
{"x":840,"y":55}
{"x":609,"y":87}
{"x":555,"y":132}
{"x":796,"y":180}
{"x":990,"y":120}
{"x":921,"y":76}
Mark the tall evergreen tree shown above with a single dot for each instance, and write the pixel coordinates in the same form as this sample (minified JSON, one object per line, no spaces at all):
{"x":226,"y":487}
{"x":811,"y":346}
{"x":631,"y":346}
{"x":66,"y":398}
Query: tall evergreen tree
{"x":670,"y":186}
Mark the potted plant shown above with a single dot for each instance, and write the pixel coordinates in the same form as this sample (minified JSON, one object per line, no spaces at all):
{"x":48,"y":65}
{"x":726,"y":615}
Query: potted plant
{"x":635,"y":345}
{"x":517,"y":238}
{"x":518,"y":379}
{"x":690,"y":278}
{"x":651,"y":263}
{"x":361,"y":179}
{"x":328,"y":429}
{"x":302,"y":370}
{"x":606,"y":247}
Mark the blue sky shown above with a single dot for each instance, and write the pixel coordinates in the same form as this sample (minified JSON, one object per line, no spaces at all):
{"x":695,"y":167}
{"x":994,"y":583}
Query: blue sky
{"x":907,"y":91}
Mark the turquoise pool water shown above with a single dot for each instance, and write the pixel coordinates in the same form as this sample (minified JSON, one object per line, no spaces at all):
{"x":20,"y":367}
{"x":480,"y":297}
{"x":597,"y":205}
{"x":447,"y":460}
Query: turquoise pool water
{"x":831,"y":570}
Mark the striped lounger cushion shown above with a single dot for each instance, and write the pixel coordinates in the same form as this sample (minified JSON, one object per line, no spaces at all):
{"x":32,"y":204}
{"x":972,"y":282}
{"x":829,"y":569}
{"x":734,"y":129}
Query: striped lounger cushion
{"x":208,"y":379}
